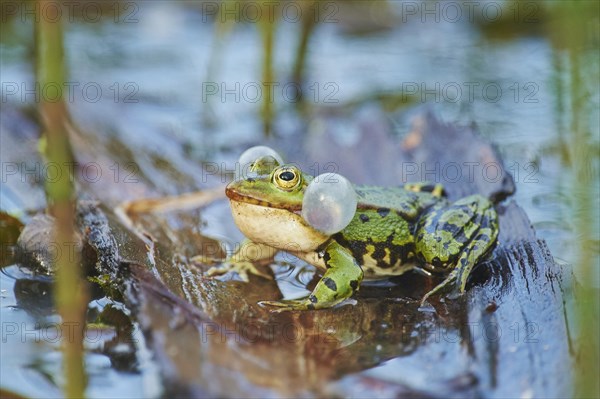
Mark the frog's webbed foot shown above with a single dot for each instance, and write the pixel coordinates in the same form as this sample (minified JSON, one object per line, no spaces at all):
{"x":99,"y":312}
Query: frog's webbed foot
{"x":302,"y":304}
{"x":287,"y":305}
{"x":242,"y":262}
{"x":241,"y":268}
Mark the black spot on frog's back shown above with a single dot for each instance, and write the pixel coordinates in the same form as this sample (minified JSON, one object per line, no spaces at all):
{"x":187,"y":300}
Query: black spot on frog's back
{"x":383,"y":212}
{"x":358,"y":248}
{"x":363,"y":218}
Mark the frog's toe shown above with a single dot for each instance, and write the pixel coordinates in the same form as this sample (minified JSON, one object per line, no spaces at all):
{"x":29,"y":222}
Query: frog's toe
{"x":217,"y":271}
{"x":249,"y":268}
{"x":426,"y":307}
{"x":287,"y":305}
{"x":447,"y":285}
{"x":423,"y":302}
{"x":242,"y":269}
{"x":204,"y":260}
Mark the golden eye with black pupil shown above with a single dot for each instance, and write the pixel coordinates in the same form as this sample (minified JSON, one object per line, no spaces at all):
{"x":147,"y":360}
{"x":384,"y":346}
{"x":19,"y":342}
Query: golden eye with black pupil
{"x":287,"y":178}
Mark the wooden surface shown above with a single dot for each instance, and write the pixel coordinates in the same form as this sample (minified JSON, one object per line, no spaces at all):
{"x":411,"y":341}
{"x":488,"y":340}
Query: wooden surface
{"x":507,"y":337}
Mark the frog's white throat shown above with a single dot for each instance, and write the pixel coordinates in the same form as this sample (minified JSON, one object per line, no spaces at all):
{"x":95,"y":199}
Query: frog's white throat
{"x":278,"y":228}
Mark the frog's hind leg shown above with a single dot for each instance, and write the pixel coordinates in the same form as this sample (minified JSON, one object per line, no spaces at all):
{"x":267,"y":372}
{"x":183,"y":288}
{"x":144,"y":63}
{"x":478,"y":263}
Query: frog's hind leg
{"x":455,"y":238}
{"x":340,"y":281}
{"x":456,"y":281}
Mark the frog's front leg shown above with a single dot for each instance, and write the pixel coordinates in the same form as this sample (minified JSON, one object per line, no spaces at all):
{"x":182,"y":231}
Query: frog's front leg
{"x":243,"y":261}
{"x":340,"y":281}
{"x":455,"y":238}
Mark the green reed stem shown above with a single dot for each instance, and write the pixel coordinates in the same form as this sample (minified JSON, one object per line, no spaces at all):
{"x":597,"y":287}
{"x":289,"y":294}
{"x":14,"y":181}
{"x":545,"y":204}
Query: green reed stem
{"x":267,"y":26}
{"x":585,"y":176}
{"x":69,"y":291}
{"x":308,"y":24}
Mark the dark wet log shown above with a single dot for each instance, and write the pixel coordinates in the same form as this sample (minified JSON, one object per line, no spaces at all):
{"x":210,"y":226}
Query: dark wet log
{"x":507,"y":337}
{"x":524,"y":339}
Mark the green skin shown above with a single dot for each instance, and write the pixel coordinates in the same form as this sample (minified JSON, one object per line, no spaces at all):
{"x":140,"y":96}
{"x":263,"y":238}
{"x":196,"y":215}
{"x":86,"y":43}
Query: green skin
{"x":394,"y":230}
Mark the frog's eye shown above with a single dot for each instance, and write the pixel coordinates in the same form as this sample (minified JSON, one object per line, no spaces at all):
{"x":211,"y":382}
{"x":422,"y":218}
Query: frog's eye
{"x":259,"y":160}
{"x":287,"y":178}
{"x":329,"y":203}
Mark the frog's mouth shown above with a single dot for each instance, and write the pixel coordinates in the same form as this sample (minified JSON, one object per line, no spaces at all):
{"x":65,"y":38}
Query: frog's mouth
{"x":234,"y":195}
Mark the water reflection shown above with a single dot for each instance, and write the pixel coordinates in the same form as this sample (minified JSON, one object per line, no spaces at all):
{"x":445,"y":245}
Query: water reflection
{"x":290,"y":354}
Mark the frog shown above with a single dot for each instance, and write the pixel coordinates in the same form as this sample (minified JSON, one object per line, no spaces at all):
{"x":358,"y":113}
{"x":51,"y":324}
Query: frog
{"x":394,"y":230}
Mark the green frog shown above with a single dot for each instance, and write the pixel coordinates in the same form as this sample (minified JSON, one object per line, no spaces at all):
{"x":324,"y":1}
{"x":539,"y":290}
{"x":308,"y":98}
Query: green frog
{"x":394,"y":230}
